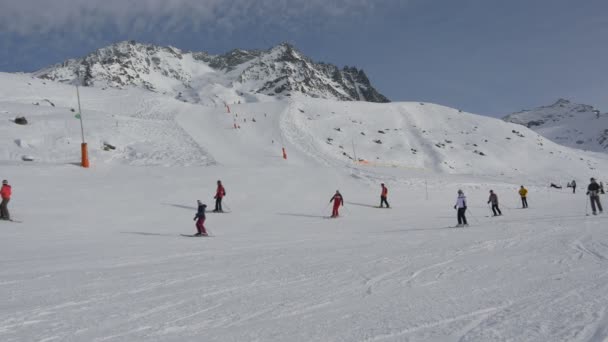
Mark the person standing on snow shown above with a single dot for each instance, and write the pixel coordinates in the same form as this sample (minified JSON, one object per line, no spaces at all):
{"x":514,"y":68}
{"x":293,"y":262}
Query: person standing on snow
{"x":573,"y":185}
{"x":523,"y":192}
{"x":338,"y":201}
{"x":200,"y":219}
{"x":461,"y":206}
{"x":383,"y":196}
{"x":494,"y":200}
{"x":219,"y":194}
{"x":5,"y":193}
{"x":593,"y":191}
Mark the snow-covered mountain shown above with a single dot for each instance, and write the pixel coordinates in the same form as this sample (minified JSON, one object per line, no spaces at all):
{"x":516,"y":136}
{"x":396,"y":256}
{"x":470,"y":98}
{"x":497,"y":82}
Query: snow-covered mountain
{"x":567,"y":123}
{"x":198,"y":77}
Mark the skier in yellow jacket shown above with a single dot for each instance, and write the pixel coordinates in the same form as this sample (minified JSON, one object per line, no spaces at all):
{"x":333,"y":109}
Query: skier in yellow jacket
{"x":523,"y":192}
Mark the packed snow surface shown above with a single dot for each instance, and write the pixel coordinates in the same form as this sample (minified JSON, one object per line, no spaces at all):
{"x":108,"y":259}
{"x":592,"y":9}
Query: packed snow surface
{"x":98,"y":255}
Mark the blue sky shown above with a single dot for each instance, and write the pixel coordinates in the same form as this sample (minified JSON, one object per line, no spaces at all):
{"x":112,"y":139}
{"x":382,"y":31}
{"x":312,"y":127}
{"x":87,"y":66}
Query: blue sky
{"x":490,"y":57}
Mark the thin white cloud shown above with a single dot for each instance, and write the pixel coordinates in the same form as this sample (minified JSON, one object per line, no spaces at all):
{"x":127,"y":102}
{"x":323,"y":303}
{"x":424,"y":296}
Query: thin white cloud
{"x":31,"y":17}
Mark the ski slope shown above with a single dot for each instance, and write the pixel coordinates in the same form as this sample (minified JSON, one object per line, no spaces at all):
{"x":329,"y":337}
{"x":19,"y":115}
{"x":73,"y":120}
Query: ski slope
{"x":99,"y":256}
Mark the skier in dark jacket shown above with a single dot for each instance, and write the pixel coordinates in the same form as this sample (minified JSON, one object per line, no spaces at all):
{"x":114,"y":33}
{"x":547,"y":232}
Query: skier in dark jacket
{"x":200,"y":219}
{"x":5,"y":193}
{"x":338,"y":201}
{"x":494,"y":200}
{"x":573,"y":185}
{"x":593,"y":191}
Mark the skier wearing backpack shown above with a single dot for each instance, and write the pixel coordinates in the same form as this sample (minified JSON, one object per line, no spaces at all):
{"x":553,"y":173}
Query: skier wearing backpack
{"x":338,"y":201}
{"x":5,"y":193}
{"x":219,"y":194}
{"x":523,"y":192}
{"x":494,"y":200}
{"x":383,"y":196}
{"x":200,"y":219}
{"x":461,"y":206}
{"x":593,"y":191}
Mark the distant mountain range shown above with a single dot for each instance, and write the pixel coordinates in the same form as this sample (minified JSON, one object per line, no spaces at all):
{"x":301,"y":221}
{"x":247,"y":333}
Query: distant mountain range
{"x":567,"y":123}
{"x":199,"y":77}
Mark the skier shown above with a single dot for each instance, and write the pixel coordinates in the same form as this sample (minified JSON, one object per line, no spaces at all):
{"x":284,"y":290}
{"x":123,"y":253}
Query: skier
{"x":200,"y":220}
{"x":461,"y":206}
{"x":593,"y":191}
{"x":219,"y":194}
{"x":494,"y":200}
{"x":338,"y":201}
{"x":573,"y":185}
{"x":5,"y":193}
{"x":553,"y":185}
{"x":523,"y":192}
{"x":383,"y":196}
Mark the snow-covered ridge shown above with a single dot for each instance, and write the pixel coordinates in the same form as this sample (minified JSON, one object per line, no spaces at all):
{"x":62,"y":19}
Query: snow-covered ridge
{"x":567,"y":123}
{"x":152,"y":129}
{"x":198,"y":77}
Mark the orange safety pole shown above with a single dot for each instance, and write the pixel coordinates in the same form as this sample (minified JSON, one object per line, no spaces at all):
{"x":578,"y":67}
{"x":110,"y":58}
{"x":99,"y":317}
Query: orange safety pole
{"x":284,"y":153}
{"x":85,"y":155}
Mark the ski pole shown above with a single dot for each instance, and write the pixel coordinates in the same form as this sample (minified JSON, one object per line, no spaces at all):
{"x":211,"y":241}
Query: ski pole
{"x":325,"y":208}
{"x":586,"y":207}
{"x":473,"y":216}
{"x":348,"y":210}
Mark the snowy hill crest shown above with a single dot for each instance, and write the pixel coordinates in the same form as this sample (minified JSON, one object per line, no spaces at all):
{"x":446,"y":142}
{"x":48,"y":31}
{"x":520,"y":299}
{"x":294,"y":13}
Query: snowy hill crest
{"x":567,"y":123}
{"x":242,"y":75}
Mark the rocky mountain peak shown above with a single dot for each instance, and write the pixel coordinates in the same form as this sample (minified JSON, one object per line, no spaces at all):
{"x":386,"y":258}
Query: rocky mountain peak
{"x":238,"y":74}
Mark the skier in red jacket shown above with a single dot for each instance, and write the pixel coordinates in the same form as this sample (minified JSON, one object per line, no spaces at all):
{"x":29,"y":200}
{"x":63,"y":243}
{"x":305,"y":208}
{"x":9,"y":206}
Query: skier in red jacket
{"x":5,"y":193}
{"x":219,"y":194}
{"x":338,"y":201}
{"x":383,"y":196}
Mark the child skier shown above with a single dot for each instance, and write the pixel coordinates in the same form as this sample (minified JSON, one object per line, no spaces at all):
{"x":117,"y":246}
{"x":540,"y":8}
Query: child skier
{"x":200,"y":219}
{"x":593,"y":191}
{"x":523,"y":192}
{"x":338,"y":201}
{"x":5,"y":193}
{"x":494,"y":200}
{"x":461,"y":206}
